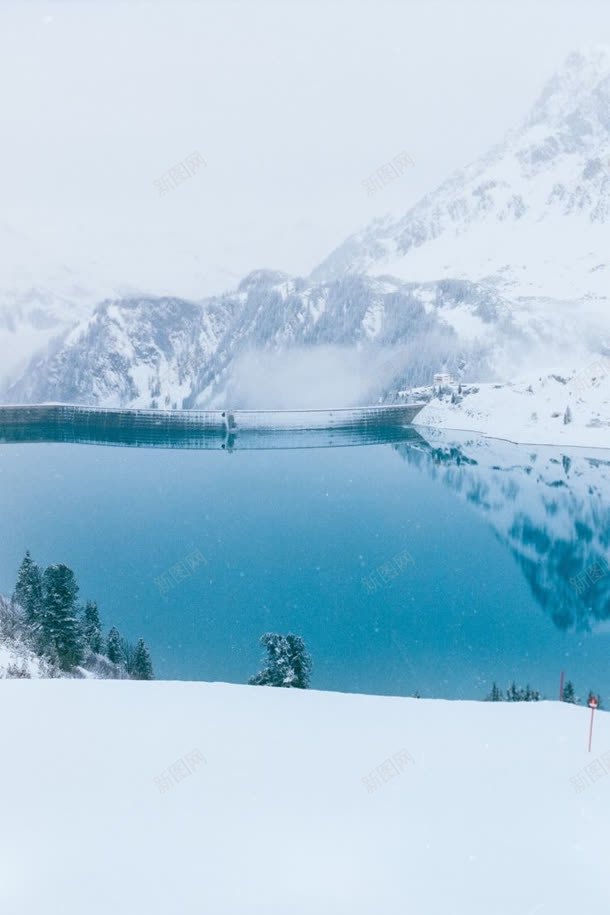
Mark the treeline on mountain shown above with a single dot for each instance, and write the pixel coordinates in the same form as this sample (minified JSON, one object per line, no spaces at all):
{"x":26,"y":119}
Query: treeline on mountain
{"x":46,"y":617}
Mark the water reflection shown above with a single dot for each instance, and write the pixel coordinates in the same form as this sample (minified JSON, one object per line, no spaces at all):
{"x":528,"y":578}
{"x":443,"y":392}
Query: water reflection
{"x":550,"y":508}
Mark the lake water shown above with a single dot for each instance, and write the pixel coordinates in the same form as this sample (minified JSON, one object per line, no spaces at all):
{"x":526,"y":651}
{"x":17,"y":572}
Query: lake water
{"x":435,"y":564}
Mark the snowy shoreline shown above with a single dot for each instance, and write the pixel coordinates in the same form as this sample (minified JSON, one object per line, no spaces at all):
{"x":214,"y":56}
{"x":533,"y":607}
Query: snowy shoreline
{"x":550,"y":411}
{"x":428,"y":431}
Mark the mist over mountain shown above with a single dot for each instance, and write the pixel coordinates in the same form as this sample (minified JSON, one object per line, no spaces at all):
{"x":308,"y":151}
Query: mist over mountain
{"x":500,"y":269}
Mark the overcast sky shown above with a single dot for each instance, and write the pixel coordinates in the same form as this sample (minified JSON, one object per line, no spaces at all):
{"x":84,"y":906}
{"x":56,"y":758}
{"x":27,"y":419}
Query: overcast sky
{"x":291,"y":104}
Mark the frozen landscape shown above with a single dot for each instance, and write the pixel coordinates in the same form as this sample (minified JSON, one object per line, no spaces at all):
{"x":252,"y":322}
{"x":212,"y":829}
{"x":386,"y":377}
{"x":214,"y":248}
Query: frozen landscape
{"x":499,"y":277}
{"x":263,"y":652}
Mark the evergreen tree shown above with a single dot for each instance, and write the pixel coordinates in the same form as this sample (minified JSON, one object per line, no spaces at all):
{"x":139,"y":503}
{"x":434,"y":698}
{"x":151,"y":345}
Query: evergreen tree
{"x":568,"y":694}
{"x":512,"y":693}
{"x":495,"y":694}
{"x":28,"y":590}
{"x":60,"y":629}
{"x":288,"y":663}
{"x":567,"y":416}
{"x":141,"y":668}
{"x":92,"y":628}
{"x":299,"y":662}
{"x":114,"y":647}
{"x":129,"y":654}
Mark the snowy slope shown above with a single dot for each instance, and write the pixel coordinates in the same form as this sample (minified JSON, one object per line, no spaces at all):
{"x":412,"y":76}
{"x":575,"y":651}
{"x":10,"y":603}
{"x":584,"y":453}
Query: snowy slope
{"x":267,"y":810}
{"x":532,"y":411}
{"x":17,"y":659}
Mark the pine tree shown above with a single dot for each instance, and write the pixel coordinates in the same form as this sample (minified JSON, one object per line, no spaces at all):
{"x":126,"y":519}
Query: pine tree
{"x":495,"y":694}
{"x":567,"y":416}
{"x":299,"y":662}
{"x":512,"y":693}
{"x":92,"y":628}
{"x":288,"y":663}
{"x":28,"y":590}
{"x":129,"y":654}
{"x":114,"y":647}
{"x":568,"y":694}
{"x":60,"y":629}
{"x":141,"y":668}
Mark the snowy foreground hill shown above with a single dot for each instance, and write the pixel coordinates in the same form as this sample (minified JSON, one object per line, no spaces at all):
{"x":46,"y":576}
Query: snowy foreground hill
{"x":152,"y":798}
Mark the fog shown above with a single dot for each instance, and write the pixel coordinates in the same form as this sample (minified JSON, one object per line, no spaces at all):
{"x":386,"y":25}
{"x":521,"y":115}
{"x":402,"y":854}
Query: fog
{"x":291,"y":106}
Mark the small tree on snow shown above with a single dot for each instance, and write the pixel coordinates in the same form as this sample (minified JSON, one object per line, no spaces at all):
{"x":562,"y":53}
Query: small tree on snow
{"x":495,"y":694}
{"x":568,"y":694}
{"x":288,"y":663}
{"x":114,"y":647}
{"x":567,"y":416}
{"x":141,"y":667}
{"x":513,"y":694}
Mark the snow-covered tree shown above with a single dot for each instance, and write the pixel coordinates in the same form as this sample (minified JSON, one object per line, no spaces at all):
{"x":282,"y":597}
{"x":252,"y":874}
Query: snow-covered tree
{"x":92,"y":628}
{"x":568,"y":694}
{"x":495,"y":694}
{"x":567,"y":416}
{"x":28,"y":590}
{"x":60,"y":628}
{"x":141,"y":667}
{"x":115,"y":651}
{"x":288,"y":663}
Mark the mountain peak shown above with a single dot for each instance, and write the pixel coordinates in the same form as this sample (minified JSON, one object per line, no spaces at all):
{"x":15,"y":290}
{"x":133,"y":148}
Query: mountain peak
{"x":583,"y":74}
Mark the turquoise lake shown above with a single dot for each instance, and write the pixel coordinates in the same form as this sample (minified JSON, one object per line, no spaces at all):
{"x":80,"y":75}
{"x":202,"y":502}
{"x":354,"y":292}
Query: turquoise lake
{"x":437,"y":564}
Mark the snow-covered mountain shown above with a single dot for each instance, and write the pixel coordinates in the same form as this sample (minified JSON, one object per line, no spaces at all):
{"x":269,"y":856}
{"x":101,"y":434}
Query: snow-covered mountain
{"x":503,"y":268}
{"x":158,"y":352}
{"x":532,"y":216}
{"x":137,"y":351}
{"x":40,"y":299}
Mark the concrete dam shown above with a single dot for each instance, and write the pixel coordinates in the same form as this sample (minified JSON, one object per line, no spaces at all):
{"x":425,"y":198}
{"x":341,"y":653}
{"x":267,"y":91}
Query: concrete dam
{"x":204,"y":429}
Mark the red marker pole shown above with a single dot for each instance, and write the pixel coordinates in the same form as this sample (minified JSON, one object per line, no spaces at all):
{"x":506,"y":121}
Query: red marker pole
{"x":561,"y":687}
{"x":592,"y":705}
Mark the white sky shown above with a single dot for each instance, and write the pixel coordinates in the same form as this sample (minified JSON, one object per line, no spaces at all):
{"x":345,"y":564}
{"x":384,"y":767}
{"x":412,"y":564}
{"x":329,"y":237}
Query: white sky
{"x":292,"y":104}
